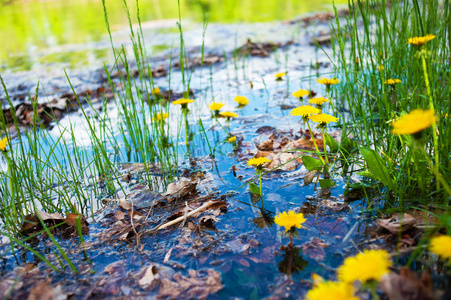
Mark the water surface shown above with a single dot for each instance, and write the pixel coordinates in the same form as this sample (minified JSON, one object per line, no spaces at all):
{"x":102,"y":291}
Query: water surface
{"x":45,"y":34}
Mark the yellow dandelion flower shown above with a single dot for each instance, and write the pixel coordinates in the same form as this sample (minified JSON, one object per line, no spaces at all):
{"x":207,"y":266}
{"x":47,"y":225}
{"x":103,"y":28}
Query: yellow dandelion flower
{"x":415,"y":121}
{"x":420,"y":40}
{"x":280,"y":75}
{"x":301,"y":93}
{"x":392,"y":81}
{"x":323,"y":119}
{"x":318,"y":101}
{"x":232,"y":139}
{"x":305,"y":111}
{"x":215,"y":106}
{"x":228,"y":115}
{"x":441,"y":245}
{"x":183,"y":101}
{"x":3,"y":144}
{"x":258,"y":161}
{"x":369,"y":265}
{"x":328,"y":81}
{"x":290,"y":220}
{"x":380,"y":67}
{"x":332,"y":290}
{"x":156,"y":91}
{"x":161,"y":117}
{"x":241,"y":100}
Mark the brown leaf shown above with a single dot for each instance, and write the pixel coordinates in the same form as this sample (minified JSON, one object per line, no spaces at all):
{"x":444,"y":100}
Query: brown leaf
{"x":238,"y":247}
{"x":309,"y":176}
{"x":243,"y":262}
{"x":150,"y":279}
{"x":45,"y":216}
{"x":32,"y":224}
{"x":266,"y":145}
{"x":71,"y":220}
{"x":41,"y":291}
{"x":7,"y":286}
{"x":180,"y":189}
{"x":407,"y":286}
{"x":125,"y":205}
{"x":119,"y":215}
{"x":282,"y":160}
{"x":199,"y":284}
{"x":136,"y":215}
{"x":315,"y":249}
{"x":395,"y":224}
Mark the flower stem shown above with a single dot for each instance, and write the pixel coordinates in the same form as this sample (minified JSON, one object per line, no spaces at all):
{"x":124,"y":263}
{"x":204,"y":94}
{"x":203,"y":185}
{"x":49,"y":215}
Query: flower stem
{"x":185,"y":113}
{"x":437,"y":174}
{"x":374,"y":294}
{"x":314,"y":142}
{"x":434,"y":127}
{"x":261,"y":190}
{"x":325,"y":145}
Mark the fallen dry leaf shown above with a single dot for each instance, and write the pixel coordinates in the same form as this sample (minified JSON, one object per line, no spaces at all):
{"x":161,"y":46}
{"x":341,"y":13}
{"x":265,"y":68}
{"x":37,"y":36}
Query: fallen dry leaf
{"x":150,"y":279}
{"x":407,"y":286}
{"x":198,"y":285}
{"x":315,"y":249}
{"x":181,"y":189}
{"x":42,"y":290}
{"x":282,"y":160}
{"x":125,"y":205}
{"x":395,"y":224}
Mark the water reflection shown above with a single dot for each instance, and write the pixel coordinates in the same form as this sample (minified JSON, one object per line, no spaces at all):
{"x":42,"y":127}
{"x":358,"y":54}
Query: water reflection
{"x":293,"y":262}
{"x":265,"y":219}
{"x":35,"y":29}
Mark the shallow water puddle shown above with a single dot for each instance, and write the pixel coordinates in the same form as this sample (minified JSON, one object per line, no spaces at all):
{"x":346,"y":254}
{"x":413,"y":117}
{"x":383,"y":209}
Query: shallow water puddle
{"x":230,"y":247}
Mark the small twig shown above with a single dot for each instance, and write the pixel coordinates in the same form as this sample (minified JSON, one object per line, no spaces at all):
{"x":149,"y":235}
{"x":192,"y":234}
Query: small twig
{"x":185,"y":214}
{"x":138,"y":238}
{"x":348,"y":235}
{"x":180,"y":219}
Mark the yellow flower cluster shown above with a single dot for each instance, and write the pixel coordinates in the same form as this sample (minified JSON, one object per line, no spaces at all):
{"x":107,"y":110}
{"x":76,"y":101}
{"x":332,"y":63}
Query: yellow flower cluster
{"x":156,"y":91}
{"x":328,"y":81}
{"x":161,"y":117}
{"x":232,"y":139}
{"x":241,"y":100}
{"x":258,"y":161}
{"x":301,"y":93}
{"x":280,"y":75}
{"x":318,"y":101}
{"x":441,"y":245}
{"x":421,"y":40}
{"x":215,"y":106}
{"x":369,"y":265}
{"x":183,"y":101}
{"x":323,"y":119}
{"x":415,"y":121}
{"x":332,"y":290}
{"x":228,"y":114}
{"x":3,"y":144}
{"x":304,"y":111}
{"x":392,"y":81}
{"x":290,"y":220}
